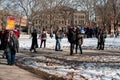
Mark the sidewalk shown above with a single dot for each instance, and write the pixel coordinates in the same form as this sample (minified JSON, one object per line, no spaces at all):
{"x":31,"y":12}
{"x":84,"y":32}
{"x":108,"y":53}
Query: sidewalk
{"x":14,"y":73}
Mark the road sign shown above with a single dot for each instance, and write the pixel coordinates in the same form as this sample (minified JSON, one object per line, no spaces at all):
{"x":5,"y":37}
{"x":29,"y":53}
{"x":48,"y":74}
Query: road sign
{"x":10,"y":23}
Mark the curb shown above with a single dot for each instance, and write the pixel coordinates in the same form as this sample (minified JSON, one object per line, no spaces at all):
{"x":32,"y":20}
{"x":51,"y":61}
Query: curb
{"x":40,"y":73}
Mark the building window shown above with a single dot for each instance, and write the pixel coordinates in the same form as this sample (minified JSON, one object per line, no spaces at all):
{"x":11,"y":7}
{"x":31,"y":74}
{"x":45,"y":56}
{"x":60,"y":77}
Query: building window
{"x":68,"y":21}
{"x":40,"y":16}
{"x":75,"y":21}
{"x":75,"y":16}
{"x":59,"y":22}
{"x":36,"y":21}
{"x":42,"y":21}
{"x":62,"y":22}
{"x":81,"y":22}
{"x":39,"y":21}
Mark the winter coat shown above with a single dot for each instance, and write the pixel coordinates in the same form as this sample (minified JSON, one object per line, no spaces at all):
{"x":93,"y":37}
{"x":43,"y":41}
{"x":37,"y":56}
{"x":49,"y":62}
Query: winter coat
{"x":101,"y":37}
{"x":43,"y":35}
{"x":58,"y":34}
{"x":71,"y":36}
{"x":12,"y":44}
{"x":2,"y":39}
{"x":98,"y":38}
{"x":34,"y":40}
{"x":79,"y":39}
{"x":17,"y":33}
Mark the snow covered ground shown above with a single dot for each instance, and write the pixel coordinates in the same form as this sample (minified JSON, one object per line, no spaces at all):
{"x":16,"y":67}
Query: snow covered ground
{"x":83,"y":71}
{"x":114,"y":43}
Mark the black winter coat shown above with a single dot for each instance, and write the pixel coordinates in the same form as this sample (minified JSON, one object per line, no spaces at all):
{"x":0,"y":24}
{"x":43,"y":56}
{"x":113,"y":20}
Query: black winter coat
{"x":71,"y":36}
{"x":34,"y":40}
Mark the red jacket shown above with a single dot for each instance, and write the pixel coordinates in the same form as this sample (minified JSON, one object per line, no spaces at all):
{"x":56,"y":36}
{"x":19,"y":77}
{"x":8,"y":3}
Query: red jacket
{"x":17,"y":33}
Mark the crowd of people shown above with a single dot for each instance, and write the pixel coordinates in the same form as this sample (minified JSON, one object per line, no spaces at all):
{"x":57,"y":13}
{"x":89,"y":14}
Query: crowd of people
{"x":75,"y":35}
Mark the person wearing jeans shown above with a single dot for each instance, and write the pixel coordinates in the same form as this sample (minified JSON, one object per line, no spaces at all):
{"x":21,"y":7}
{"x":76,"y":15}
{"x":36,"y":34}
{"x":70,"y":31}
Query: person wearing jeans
{"x":11,"y":48}
{"x":58,"y":37}
{"x":58,"y":45}
{"x":10,"y":58}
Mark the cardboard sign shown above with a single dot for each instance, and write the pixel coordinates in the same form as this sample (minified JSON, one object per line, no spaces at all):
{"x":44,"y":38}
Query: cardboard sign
{"x":10,"y":23}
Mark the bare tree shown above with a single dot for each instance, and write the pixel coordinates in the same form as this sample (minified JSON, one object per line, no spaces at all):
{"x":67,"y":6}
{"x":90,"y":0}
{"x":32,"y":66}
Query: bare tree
{"x":49,"y":7}
{"x":115,"y":9}
{"x":5,"y":12}
{"x":108,"y":11}
{"x":29,"y":8}
{"x":102,"y":11}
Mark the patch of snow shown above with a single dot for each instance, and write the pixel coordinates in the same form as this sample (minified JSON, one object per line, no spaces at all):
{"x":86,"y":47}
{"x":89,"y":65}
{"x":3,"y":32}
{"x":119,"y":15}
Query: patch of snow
{"x":90,"y":71}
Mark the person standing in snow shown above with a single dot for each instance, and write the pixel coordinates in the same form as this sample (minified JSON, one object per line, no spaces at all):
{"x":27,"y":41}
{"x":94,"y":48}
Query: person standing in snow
{"x":34,"y":41}
{"x":104,"y":35}
{"x":58,"y":37}
{"x":43,"y":37}
{"x":101,"y":40}
{"x":71,"y":35}
{"x":79,"y":40}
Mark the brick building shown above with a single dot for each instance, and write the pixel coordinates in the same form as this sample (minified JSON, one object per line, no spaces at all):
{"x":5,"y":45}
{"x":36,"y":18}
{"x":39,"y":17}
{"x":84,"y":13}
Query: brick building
{"x":61,"y":16}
